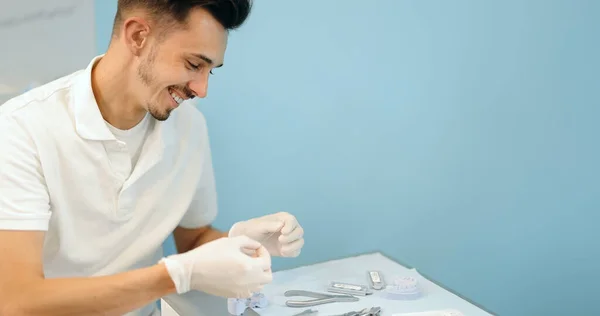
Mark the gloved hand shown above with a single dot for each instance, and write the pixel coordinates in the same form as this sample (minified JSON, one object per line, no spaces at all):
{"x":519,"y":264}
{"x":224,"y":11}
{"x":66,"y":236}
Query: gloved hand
{"x":227,"y":267}
{"x":280,"y":233}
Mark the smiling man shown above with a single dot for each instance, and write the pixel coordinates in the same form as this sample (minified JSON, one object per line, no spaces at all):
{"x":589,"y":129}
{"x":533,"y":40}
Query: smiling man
{"x":99,"y":167}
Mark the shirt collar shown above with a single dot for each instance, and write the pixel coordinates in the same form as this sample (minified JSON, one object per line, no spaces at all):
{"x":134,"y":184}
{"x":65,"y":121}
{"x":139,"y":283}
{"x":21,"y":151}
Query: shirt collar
{"x":89,"y":122}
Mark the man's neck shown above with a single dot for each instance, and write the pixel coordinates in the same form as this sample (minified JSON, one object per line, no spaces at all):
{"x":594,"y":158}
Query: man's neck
{"x":110,"y":86}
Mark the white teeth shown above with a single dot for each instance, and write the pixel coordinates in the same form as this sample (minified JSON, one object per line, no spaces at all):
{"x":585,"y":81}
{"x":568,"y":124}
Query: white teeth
{"x":176,"y":98}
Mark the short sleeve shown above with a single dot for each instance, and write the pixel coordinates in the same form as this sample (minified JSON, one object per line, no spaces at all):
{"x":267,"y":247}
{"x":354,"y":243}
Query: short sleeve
{"x":203,"y":208}
{"x":24,"y":199}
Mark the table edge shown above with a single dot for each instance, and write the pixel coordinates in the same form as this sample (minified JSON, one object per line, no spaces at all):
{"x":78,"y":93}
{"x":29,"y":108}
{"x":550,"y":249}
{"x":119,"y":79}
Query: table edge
{"x":428,"y":277}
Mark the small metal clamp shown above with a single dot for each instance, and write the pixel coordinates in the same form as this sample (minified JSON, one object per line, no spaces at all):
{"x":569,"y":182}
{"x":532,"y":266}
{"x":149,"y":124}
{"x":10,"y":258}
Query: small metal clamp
{"x":319,"y":298}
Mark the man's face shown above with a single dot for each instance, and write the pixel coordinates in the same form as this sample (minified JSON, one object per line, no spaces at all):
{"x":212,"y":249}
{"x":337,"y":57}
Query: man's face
{"x":177,"y":67}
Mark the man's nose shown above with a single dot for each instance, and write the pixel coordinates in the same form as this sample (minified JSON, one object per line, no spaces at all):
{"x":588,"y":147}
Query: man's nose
{"x":199,"y":87}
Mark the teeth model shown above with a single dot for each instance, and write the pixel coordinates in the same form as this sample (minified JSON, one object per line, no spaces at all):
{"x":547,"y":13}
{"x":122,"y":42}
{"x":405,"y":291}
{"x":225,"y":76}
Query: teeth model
{"x":404,"y":288}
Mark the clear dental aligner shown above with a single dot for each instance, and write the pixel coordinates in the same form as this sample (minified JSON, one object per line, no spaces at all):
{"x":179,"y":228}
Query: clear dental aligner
{"x":258,"y":300}
{"x":237,"y":306}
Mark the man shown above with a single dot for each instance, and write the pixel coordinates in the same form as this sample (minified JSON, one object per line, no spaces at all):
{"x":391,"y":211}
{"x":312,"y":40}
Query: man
{"x":97,"y":168}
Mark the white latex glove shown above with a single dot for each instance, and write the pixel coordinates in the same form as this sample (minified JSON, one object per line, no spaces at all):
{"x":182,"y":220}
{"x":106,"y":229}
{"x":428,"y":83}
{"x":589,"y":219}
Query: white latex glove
{"x":280,"y":233}
{"x":227,"y":267}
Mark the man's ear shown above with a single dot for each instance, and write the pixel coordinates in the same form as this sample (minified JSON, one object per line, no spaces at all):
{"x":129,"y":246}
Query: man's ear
{"x":135,"y":34}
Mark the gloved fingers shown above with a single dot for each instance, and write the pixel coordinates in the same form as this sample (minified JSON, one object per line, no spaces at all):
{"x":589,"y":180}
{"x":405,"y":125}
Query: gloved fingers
{"x":258,"y":272}
{"x":292,"y":254}
{"x":246,"y":242}
{"x":257,"y":284}
{"x":263,"y":277}
{"x":249,"y":252}
{"x":261,"y":260}
{"x":247,"y":293}
{"x":236,"y":229}
{"x":266,"y":277}
{"x":292,"y":249}
{"x":290,"y":223}
{"x":294,"y":235}
{"x":270,"y":226}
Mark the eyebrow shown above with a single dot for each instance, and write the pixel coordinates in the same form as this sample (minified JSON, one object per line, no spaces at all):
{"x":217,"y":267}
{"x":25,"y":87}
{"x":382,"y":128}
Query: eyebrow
{"x":207,"y":60}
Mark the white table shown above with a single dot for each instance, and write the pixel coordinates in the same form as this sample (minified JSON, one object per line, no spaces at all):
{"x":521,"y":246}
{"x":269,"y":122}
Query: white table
{"x":317,"y":277}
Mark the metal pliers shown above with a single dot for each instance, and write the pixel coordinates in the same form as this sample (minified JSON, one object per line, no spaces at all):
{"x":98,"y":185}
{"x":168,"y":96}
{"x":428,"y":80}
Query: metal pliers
{"x":373,"y":311}
{"x":319,"y":298}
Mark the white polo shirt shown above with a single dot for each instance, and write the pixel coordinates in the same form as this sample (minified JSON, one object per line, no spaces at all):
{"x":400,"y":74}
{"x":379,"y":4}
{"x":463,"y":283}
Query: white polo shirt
{"x":64,"y":172}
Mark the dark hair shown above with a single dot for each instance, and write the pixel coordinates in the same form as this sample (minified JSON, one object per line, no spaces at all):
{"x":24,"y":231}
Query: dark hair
{"x":231,"y":14}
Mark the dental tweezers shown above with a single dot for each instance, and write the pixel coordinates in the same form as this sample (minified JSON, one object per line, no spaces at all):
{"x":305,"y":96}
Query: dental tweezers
{"x":319,"y":298}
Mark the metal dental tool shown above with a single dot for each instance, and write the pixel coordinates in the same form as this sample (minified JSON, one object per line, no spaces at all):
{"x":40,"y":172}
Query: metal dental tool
{"x":354,"y":313}
{"x":307,"y":312}
{"x":447,"y":312}
{"x":250,"y":312}
{"x":375,"y":280}
{"x":373,"y":311}
{"x":319,"y":298}
{"x":349,"y":289}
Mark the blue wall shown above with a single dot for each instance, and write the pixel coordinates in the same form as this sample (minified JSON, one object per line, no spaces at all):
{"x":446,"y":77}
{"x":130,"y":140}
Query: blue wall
{"x":458,"y":137}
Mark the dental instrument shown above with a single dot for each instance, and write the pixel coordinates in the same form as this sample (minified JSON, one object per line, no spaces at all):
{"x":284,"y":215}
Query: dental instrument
{"x":319,"y":298}
{"x":354,"y":313}
{"x":250,"y":312}
{"x":373,"y":311}
{"x":445,"y":312}
{"x":376,"y":280}
{"x":307,"y":312}
{"x":350,"y":289}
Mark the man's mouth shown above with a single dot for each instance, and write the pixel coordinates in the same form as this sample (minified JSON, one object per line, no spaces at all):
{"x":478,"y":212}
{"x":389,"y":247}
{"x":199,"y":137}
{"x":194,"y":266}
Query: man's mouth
{"x":178,"y":99}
